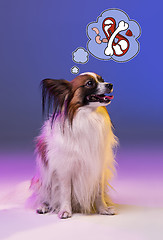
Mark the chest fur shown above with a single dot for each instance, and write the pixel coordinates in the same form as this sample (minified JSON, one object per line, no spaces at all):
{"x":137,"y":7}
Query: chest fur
{"x":85,"y":142}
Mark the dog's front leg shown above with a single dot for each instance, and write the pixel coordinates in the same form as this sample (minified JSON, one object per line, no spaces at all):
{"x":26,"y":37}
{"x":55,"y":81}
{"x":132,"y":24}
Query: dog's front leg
{"x":65,"y":197}
{"x":101,"y":206}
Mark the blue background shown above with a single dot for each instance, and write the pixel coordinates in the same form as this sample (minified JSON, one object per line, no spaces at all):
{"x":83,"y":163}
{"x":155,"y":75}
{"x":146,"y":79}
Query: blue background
{"x":37,"y":38}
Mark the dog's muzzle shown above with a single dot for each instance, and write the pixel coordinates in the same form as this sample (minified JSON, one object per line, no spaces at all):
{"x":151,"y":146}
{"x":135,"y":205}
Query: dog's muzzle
{"x":103,"y":88}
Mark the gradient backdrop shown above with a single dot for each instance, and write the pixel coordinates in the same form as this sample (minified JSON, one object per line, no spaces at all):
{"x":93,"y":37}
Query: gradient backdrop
{"x":37,"y":41}
{"x":37,"y":38}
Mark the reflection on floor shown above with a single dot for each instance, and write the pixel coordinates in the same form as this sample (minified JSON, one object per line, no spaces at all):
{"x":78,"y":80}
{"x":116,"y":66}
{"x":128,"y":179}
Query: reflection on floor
{"x":138,"y":194}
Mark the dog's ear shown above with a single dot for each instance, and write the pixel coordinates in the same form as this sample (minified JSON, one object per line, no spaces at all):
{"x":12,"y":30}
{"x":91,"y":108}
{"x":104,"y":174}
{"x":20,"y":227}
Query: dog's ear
{"x":54,"y":91}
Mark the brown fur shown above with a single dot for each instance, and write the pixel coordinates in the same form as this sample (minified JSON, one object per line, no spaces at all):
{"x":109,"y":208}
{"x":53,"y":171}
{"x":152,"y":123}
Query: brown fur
{"x":66,"y":97}
{"x":76,"y":101}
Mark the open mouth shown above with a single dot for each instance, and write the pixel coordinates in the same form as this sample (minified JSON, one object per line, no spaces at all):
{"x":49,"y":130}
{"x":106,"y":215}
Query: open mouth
{"x":99,"y":98}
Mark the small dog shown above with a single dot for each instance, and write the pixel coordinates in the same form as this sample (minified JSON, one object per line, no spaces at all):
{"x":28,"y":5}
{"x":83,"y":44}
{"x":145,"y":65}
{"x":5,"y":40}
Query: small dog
{"x":75,"y":158}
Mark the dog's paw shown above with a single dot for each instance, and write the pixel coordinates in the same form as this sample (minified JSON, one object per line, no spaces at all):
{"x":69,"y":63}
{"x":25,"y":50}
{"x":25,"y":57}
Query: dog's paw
{"x":107,"y":211}
{"x":43,"y":209}
{"x":64,"y":214}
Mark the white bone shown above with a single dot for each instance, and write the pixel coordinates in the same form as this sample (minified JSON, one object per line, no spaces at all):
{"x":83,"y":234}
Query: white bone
{"x":121,"y":27}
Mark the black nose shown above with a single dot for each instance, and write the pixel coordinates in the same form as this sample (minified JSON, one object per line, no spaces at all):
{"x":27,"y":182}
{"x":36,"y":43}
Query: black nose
{"x":109,"y":86}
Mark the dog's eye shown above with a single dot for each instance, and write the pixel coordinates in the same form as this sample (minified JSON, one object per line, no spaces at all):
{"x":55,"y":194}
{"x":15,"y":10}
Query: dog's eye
{"x":90,"y":83}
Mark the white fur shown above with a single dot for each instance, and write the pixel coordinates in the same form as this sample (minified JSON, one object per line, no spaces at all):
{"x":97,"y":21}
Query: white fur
{"x":102,"y":88}
{"x":80,"y":163}
{"x":94,"y":75}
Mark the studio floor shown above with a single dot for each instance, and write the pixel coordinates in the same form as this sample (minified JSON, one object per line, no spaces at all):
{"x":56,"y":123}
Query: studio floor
{"x":138,"y":195}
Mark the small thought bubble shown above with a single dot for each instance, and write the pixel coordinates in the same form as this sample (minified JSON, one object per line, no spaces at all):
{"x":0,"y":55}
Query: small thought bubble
{"x":80,"y":55}
{"x":74,"y":70}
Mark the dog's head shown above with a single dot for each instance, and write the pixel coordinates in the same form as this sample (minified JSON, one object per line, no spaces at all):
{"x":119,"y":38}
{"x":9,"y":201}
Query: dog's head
{"x":87,"y":89}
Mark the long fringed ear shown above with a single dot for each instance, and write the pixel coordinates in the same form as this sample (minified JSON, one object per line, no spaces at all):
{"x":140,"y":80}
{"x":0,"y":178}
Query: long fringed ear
{"x":54,"y":93}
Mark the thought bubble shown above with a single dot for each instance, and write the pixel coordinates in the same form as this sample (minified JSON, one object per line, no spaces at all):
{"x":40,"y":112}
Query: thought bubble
{"x":80,"y":55}
{"x":74,"y":70}
{"x":113,"y":36}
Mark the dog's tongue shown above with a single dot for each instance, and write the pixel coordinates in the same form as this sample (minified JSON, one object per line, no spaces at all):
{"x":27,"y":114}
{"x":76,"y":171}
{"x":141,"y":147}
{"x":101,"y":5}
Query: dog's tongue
{"x":107,"y":97}
{"x":99,"y":98}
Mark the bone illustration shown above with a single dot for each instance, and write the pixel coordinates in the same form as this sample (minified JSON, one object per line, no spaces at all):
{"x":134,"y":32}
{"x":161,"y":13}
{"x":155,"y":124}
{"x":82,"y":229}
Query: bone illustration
{"x":113,"y":36}
{"x":122,"y":44}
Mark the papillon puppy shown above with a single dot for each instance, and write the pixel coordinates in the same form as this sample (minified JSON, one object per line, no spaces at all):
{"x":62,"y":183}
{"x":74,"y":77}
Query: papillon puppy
{"x":75,"y":158}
